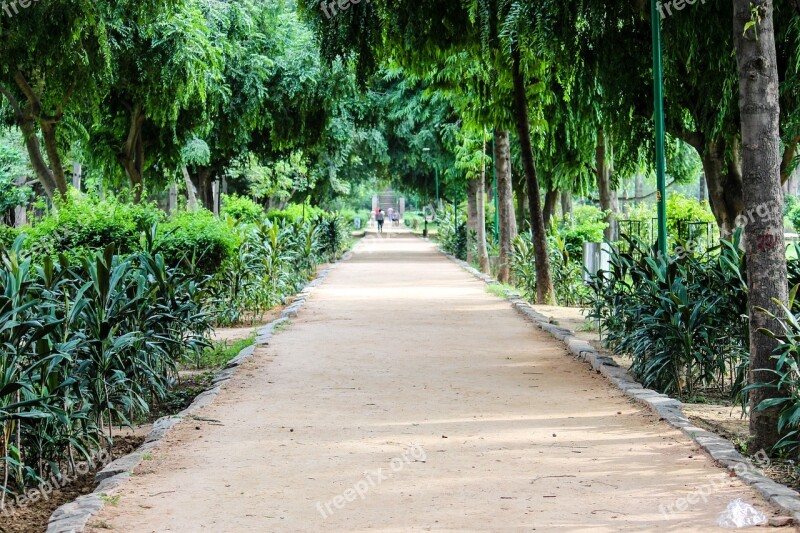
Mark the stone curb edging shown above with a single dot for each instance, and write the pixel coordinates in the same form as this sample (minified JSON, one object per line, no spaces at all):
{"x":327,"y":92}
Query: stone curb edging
{"x":74,"y":516}
{"x":669,"y":409}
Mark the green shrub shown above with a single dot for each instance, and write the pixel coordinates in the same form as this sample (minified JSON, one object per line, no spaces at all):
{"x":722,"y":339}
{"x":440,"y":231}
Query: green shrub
{"x":241,"y":209}
{"x":198,"y":238}
{"x":794,"y":216}
{"x":453,"y":232}
{"x":566,"y":268}
{"x":683,"y":321}
{"x":586,"y":224}
{"x":294,"y":212}
{"x":91,"y":223}
{"x":8,"y":235}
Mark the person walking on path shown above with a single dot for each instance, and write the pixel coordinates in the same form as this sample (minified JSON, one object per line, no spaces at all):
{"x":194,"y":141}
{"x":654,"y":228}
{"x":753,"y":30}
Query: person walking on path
{"x":380,"y":218}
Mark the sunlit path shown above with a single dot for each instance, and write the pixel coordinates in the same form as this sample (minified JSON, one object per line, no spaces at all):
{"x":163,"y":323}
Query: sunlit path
{"x":406,"y":398}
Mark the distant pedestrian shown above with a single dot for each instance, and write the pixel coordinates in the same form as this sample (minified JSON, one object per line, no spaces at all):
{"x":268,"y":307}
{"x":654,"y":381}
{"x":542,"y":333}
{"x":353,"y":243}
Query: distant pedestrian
{"x":396,"y":219}
{"x":380,"y":218}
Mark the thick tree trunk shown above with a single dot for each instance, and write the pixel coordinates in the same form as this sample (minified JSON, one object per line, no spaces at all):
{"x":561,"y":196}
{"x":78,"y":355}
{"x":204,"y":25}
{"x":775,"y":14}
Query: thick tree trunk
{"x":761,"y":187}
{"x":566,"y":205}
{"x":472,"y":218}
{"x":545,"y":294}
{"x":724,"y":185}
{"x":51,"y":147}
{"x":190,"y":189}
{"x":205,"y":189}
{"x":483,"y":252}
{"x":550,"y":203}
{"x":505,"y":202}
{"x":54,"y":179}
{"x":28,"y":128}
{"x":608,"y":196}
{"x":132,"y":155}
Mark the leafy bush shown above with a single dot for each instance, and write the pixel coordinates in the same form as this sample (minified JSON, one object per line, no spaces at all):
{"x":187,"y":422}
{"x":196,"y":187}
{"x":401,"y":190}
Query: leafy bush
{"x":7,"y":235}
{"x":198,"y":239}
{"x":414,"y":220}
{"x":334,"y":234}
{"x":85,"y":348}
{"x":586,"y":224}
{"x":565,"y":266}
{"x":294,"y":212}
{"x":683,"y":321}
{"x":87,"y":223}
{"x":241,"y":209}
{"x":794,"y":216}
{"x":453,"y":232}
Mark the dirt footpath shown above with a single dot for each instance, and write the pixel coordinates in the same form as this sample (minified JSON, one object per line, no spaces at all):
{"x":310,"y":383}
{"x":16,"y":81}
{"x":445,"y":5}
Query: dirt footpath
{"x":406,"y":398}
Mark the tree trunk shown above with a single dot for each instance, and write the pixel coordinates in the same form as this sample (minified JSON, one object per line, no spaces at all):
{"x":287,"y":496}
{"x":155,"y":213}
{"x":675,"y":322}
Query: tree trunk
{"x":483,"y":252}
{"x":505,"y":202}
{"x":472,"y":218}
{"x":545,"y":294}
{"x":205,"y":187}
{"x":566,"y":205}
{"x":761,"y":187}
{"x":26,"y":120}
{"x":608,"y":196}
{"x":132,"y":155}
{"x":28,"y":127}
{"x":724,"y":185}
{"x":550,"y":202}
{"x":51,"y":147}
{"x":190,"y":190}
{"x":519,"y":194}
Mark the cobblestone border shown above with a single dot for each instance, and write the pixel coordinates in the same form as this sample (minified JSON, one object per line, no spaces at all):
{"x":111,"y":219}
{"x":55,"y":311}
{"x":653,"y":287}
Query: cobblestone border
{"x":74,"y":516}
{"x":669,"y":409}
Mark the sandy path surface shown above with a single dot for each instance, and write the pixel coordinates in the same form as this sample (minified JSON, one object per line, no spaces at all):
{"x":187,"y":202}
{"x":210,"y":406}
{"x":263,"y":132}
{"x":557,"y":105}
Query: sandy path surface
{"x":405,"y":398}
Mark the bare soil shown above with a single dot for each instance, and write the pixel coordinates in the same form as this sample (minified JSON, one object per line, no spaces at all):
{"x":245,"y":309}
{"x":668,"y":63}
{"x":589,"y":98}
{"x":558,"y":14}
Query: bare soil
{"x":33,"y":518}
{"x":406,"y":398}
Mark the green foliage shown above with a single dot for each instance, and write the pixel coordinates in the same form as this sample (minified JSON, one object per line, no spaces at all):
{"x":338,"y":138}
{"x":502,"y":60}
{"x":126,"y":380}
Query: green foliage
{"x":587,"y":224}
{"x":684,"y":322}
{"x":787,"y":370}
{"x":453,"y":232}
{"x":294,"y":212}
{"x":85,"y":348}
{"x":198,"y":239}
{"x":7,"y":236}
{"x":241,"y":209}
{"x":681,"y":208}
{"x":90,"y":223}
{"x":565,"y":264}
{"x":794,"y":216}
{"x":274,"y":260}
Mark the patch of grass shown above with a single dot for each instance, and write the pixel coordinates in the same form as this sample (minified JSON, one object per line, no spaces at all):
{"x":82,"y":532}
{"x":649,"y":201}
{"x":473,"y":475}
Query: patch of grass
{"x":221,"y":353}
{"x":500,"y":290}
{"x":283,"y":326}
{"x":588,"y":326}
{"x":111,"y":500}
{"x":102,"y":525}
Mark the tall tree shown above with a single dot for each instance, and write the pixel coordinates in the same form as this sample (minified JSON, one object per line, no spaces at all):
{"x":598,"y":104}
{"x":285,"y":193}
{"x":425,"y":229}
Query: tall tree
{"x":754,"y":37}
